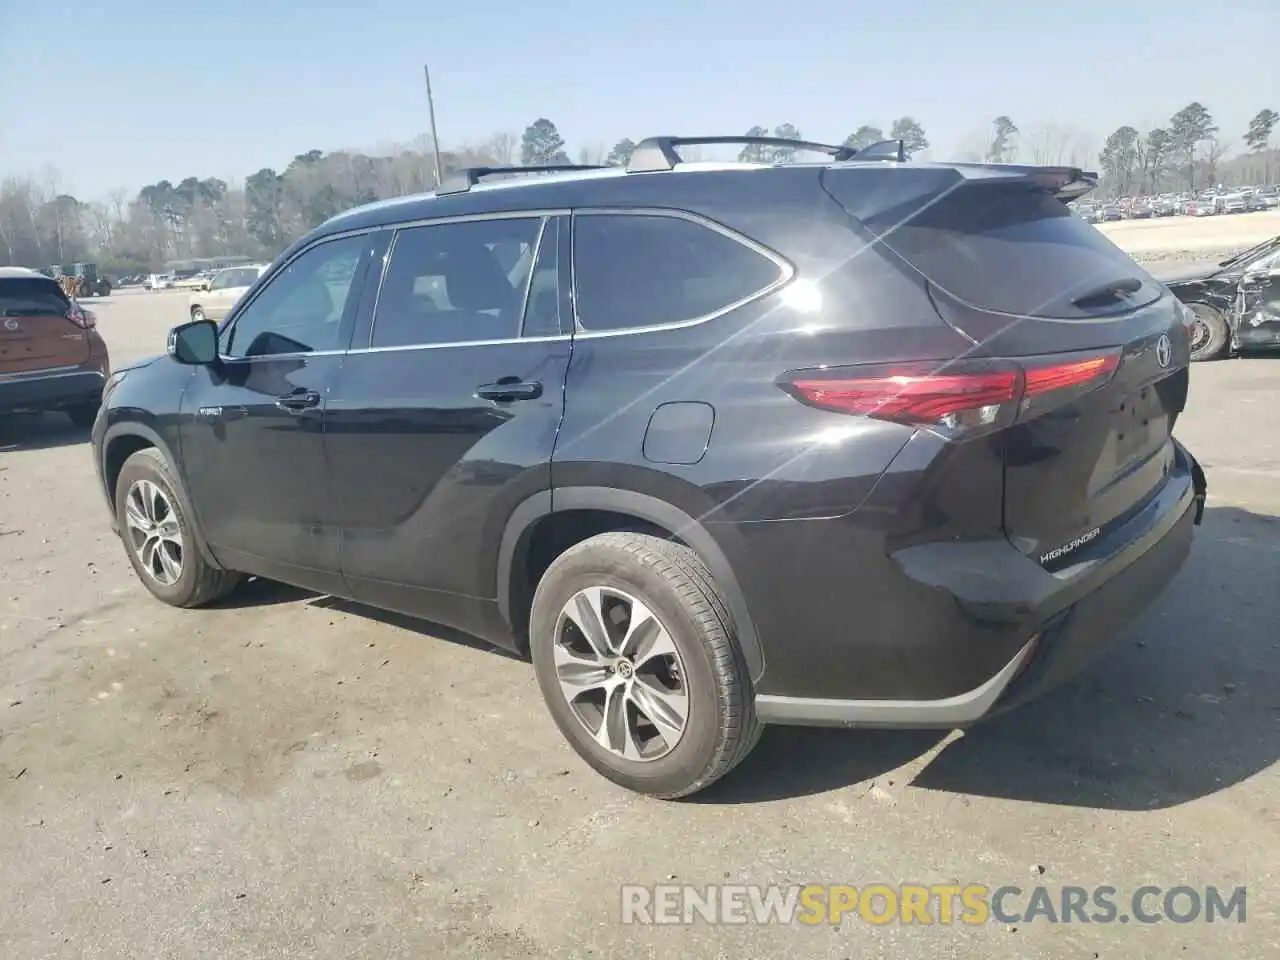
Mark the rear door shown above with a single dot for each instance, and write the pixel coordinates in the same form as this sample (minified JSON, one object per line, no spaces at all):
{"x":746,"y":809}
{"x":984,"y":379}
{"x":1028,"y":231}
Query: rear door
{"x":445,"y":416}
{"x":1101,"y":344}
{"x":36,"y":329}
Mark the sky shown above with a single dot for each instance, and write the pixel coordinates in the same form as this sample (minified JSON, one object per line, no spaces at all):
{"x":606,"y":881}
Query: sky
{"x":148,"y":90}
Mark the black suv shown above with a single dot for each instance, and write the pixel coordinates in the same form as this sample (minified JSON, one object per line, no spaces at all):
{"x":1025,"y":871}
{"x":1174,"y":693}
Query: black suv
{"x":861,"y":442}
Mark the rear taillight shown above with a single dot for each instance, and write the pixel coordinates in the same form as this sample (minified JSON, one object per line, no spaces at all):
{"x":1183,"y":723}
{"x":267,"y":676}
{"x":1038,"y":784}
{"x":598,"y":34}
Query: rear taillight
{"x":81,"y":317}
{"x":961,"y":397}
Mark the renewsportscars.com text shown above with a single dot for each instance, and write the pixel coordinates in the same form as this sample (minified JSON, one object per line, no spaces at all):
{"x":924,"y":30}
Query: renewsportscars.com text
{"x":919,"y":904}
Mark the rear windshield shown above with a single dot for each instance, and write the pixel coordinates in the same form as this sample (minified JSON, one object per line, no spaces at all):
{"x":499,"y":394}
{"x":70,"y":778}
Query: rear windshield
{"x":1014,"y":249}
{"x":25,"y":296}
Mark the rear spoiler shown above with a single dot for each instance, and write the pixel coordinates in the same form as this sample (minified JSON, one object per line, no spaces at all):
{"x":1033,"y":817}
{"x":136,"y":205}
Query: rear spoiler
{"x":1066,"y":183}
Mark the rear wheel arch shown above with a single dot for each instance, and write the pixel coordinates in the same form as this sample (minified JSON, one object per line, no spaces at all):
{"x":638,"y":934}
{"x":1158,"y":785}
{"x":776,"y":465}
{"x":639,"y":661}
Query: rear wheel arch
{"x":120,"y":443}
{"x":540,"y":529}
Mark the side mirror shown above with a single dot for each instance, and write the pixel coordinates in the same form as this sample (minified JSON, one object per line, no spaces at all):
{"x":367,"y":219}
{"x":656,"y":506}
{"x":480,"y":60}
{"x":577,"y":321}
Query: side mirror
{"x":194,"y":343}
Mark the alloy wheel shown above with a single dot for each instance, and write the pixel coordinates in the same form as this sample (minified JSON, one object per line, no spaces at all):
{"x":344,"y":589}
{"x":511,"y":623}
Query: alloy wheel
{"x":154,"y":533}
{"x":621,"y":673}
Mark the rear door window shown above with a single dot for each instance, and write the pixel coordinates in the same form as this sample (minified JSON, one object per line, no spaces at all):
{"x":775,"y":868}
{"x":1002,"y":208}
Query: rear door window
{"x":1010,"y":248}
{"x":31,"y":296}
{"x":456,"y":282}
{"x":640,"y":270}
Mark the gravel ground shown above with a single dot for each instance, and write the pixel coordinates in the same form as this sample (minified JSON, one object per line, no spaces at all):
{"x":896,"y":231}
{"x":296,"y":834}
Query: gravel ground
{"x":292,"y":776}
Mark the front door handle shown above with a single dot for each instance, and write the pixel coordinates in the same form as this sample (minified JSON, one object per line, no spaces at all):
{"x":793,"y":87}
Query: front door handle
{"x":298,"y":401}
{"x":510,"y":388}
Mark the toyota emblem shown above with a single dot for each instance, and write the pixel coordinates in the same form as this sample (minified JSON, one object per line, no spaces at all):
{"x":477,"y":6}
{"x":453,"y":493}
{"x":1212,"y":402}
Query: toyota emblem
{"x":1164,"y":350}
{"x":11,"y":324}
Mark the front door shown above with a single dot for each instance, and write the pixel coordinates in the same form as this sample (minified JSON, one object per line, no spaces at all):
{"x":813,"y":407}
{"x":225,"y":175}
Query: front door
{"x":445,"y":419}
{"x":252,"y":425}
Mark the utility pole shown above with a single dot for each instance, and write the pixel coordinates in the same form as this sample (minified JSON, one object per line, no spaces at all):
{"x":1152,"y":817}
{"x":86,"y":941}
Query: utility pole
{"x":435,"y":140}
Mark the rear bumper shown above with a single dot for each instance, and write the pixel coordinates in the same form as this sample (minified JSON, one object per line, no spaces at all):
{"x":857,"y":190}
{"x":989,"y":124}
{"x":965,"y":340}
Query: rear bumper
{"x":1050,"y":625}
{"x":51,"y":391}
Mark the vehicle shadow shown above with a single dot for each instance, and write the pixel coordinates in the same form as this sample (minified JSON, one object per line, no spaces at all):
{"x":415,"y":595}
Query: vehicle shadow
{"x":39,"y":431}
{"x":1186,"y":704}
{"x":257,"y":592}
{"x":424,"y":628}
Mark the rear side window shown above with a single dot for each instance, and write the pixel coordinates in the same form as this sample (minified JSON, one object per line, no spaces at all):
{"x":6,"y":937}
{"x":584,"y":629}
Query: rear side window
{"x":633,"y":270}
{"x":1013,"y":249}
{"x":29,"y":296}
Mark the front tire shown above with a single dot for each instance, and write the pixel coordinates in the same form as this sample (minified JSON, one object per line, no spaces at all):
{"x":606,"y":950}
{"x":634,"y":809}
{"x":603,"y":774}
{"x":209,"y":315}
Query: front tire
{"x":638,"y":662}
{"x":1209,"y":334}
{"x":197,"y":314}
{"x":158,"y":537}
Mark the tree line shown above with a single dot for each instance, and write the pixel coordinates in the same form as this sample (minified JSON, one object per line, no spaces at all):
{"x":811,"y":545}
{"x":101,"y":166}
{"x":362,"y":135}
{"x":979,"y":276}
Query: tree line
{"x":42,"y":224}
{"x":1186,"y":153}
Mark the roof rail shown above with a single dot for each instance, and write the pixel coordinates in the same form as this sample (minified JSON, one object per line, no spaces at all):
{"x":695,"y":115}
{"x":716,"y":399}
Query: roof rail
{"x":659,"y":153}
{"x":463,"y":180}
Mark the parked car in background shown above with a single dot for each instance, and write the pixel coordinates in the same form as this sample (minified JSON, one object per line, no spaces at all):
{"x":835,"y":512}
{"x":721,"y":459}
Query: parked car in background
{"x":693,"y":441}
{"x":1088,"y":212}
{"x":1235,"y":202}
{"x":1142,"y":209}
{"x":1234,"y":301}
{"x":197,"y":281}
{"x":1110,"y":211}
{"x":51,"y":355}
{"x":1164,"y":207}
{"x":159,"y":281}
{"x":1200,"y":208}
{"x":1266,"y":198}
{"x":223,"y":290}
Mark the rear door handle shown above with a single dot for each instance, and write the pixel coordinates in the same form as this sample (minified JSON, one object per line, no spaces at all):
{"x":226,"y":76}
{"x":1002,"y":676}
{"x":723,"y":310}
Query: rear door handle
{"x":298,"y":401}
{"x":510,"y":388}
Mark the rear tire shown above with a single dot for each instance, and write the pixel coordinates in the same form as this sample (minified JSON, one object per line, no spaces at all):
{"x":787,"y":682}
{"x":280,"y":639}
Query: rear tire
{"x":158,"y":538}
{"x":702,"y":675}
{"x":1209,"y":335}
{"x":197,"y":314}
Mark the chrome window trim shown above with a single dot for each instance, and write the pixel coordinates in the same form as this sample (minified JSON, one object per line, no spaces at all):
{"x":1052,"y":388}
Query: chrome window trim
{"x":543,"y":218}
{"x":548,"y":215}
{"x":786,"y":269}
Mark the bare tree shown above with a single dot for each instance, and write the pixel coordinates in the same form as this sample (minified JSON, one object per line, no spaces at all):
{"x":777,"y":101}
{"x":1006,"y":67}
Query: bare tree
{"x":972,"y":147}
{"x":1215,"y":150}
{"x":501,"y":147}
{"x":53,"y":184}
{"x":1049,"y":142}
{"x":593,"y":153}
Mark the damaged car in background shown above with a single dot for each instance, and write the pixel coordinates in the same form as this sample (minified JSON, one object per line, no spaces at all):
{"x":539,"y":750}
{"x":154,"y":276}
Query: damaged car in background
{"x":1236,"y":302}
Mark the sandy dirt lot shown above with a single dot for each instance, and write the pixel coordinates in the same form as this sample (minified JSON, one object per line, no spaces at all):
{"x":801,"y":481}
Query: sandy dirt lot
{"x":292,"y":776}
{"x":1192,"y":238}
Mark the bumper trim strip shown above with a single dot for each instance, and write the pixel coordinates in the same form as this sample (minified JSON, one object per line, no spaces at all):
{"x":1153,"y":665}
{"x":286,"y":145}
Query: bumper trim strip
{"x":948,"y":713}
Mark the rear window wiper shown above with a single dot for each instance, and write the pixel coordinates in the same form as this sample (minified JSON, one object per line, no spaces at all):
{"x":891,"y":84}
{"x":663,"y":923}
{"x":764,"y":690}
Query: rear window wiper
{"x":1108,"y":292}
